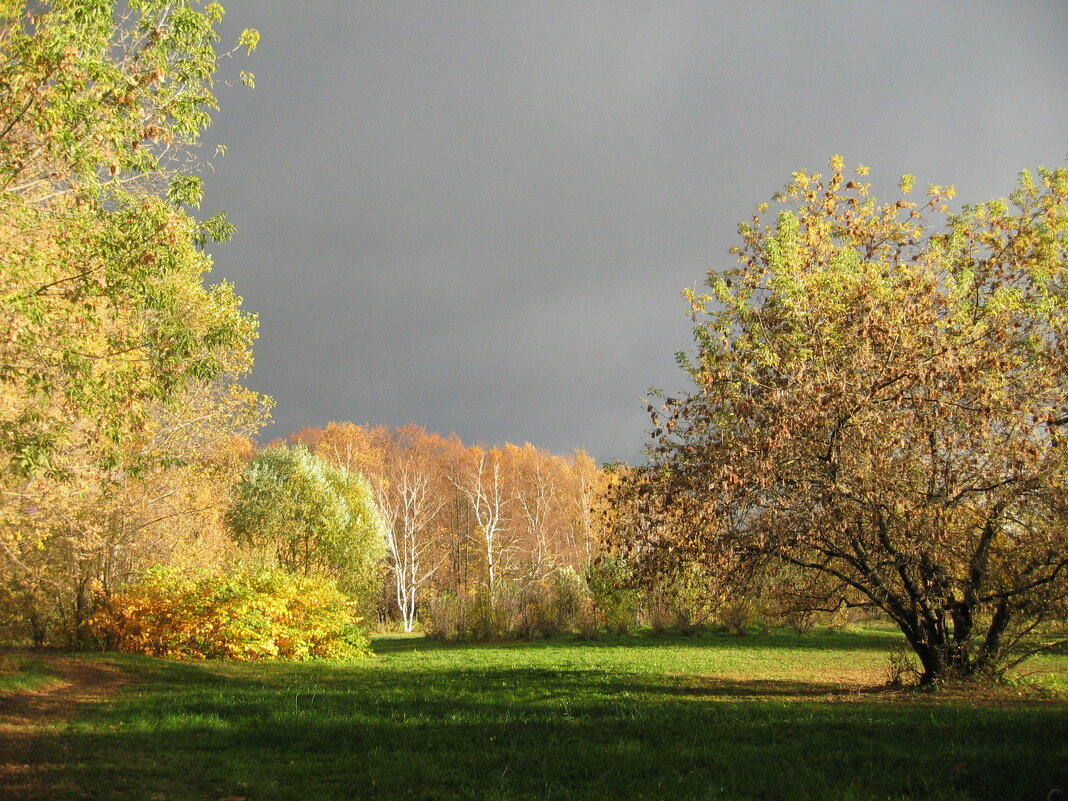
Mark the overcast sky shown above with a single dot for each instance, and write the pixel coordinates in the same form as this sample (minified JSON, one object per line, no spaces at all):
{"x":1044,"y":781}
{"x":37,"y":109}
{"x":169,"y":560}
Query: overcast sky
{"x":478,"y":217}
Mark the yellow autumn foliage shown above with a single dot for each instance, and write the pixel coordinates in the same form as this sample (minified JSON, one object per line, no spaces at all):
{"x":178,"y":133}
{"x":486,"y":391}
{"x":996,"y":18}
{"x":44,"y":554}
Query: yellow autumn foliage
{"x":245,"y":614}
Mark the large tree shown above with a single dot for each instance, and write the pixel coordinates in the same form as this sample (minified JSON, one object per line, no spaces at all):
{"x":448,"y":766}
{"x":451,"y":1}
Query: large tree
{"x":103,"y":307}
{"x":118,"y":361}
{"x":882,"y":401}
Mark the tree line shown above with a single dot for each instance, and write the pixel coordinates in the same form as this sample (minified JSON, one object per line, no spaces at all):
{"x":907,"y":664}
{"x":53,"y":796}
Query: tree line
{"x":467,"y":520}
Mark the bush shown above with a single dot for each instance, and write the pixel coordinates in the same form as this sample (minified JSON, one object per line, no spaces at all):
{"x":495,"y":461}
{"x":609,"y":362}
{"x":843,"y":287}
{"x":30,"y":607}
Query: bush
{"x":245,"y":614}
{"x":736,"y":616}
{"x":526,"y":608}
{"x":444,"y":616}
{"x":523,"y":608}
{"x":571,"y":602}
{"x":610,"y":581}
{"x":682,"y":601}
{"x":514,"y":612}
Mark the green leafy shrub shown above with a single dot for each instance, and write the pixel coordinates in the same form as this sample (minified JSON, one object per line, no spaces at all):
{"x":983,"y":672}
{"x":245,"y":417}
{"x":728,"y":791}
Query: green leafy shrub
{"x":312,"y":518}
{"x":246,"y":614}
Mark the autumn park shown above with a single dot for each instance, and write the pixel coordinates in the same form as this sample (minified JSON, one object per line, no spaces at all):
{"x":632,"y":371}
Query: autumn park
{"x":838,"y":571}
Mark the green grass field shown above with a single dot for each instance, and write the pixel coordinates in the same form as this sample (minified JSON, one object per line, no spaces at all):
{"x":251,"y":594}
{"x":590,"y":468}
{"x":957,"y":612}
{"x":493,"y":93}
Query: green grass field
{"x":774,"y":716}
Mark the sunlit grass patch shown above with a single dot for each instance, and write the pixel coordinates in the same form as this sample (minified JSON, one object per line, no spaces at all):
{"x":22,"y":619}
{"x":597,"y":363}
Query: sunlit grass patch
{"x":21,"y":672}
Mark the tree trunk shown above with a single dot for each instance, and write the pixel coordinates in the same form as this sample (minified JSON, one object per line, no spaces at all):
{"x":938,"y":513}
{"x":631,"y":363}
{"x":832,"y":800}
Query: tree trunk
{"x":38,"y":630}
{"x":942,"y":657}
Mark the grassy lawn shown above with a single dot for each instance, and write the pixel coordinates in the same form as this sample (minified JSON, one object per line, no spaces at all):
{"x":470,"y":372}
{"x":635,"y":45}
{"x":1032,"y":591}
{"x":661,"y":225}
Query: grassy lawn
{"x":21,"y":672}
{"x":774,"y":716}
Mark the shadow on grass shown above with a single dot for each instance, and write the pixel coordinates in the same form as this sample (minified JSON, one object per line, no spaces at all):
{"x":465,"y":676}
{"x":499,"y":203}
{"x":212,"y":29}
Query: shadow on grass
{"x":382,"y":731}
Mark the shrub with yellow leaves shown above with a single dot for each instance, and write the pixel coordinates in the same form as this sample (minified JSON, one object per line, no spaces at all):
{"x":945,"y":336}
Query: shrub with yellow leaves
{"x":246,"y":614}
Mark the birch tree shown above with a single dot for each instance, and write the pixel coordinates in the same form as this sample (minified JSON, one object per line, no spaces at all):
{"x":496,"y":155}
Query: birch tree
{"x":483,"y":485}
{"x":411,"y":503}
{"x":535,"y":491}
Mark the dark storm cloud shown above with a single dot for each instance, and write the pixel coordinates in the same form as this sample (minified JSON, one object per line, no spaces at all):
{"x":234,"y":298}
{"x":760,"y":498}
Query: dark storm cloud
{"x":479,"y":216}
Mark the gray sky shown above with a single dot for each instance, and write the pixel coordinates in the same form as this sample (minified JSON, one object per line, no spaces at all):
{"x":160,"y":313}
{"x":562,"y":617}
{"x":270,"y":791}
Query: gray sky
{"x":478,"y":217}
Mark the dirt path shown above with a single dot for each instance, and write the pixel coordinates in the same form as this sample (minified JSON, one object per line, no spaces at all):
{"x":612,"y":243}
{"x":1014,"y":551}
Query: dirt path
{"x":26,"y":715}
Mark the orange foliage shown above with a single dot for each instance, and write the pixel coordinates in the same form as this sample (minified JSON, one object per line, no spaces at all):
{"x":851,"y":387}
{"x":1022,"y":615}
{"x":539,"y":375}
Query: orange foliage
{"x":247,"y":614}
